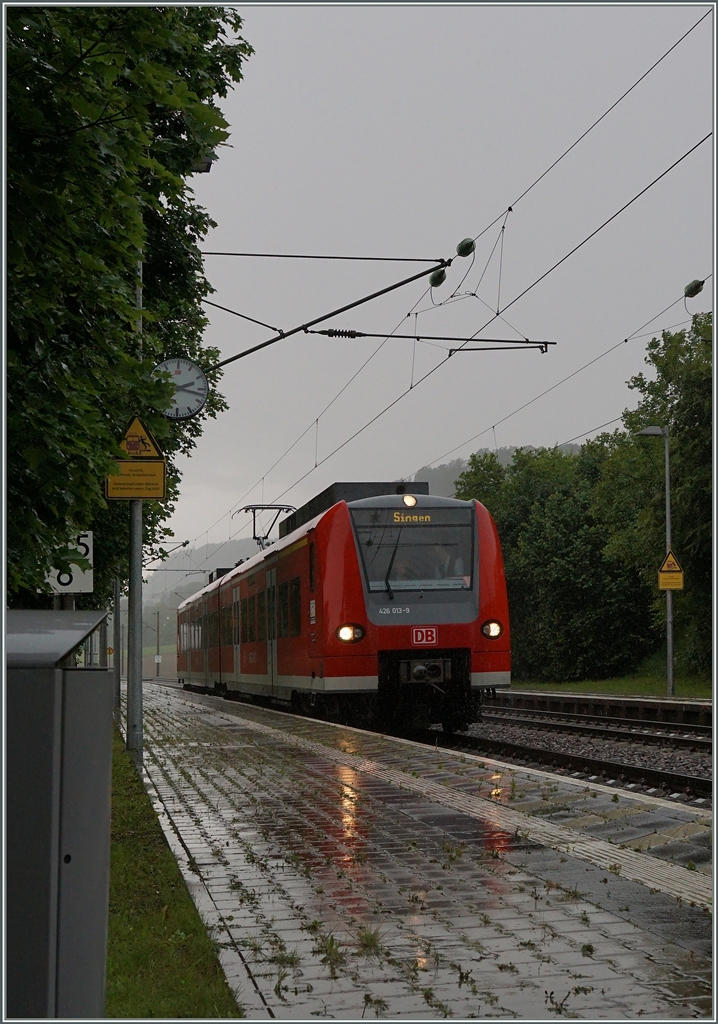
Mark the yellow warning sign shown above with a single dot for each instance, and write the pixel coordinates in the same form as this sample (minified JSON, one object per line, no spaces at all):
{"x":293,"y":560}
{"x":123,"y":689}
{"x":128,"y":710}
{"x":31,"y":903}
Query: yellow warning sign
{"x":137,"y":479}
{"x":670,"y":575}
{"x":670,"y":563}
{"x":139,"y":443}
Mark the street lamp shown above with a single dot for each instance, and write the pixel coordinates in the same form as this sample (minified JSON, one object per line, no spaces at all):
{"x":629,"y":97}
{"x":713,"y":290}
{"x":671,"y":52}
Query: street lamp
{"x":663,"y":432}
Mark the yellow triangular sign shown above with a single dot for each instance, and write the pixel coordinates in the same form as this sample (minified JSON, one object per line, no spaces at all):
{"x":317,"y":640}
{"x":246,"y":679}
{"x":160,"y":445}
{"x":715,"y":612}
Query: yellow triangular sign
{"x":670,"y":564}
{"x":138,"y":443}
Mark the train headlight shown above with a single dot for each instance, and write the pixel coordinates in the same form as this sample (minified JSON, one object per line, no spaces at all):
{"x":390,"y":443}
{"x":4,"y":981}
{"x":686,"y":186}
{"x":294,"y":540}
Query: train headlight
{"x":492,"y":629}
{"x":349,"y":634}
{"x":409,"y":500}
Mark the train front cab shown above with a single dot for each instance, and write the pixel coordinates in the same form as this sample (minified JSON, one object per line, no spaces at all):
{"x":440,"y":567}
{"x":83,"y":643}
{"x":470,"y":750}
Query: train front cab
{"x":435,"y":597}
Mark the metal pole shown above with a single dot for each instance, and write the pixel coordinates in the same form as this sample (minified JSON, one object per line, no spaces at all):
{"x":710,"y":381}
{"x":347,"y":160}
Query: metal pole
{"x":117,"y":644}
{"x":157,"y":666}
{"x":134,"y":633}
{"x":670,"y":683}
{"x":134,"y":737}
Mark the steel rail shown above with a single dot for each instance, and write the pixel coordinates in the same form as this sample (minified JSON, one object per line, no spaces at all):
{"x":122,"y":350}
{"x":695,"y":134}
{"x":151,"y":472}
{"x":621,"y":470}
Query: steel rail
{"x":609,"y":730}
{"x":673,"y":781}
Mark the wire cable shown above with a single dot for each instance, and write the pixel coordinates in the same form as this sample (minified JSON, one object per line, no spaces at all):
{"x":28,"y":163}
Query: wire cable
{"x":297,"y":256}
{"x":607,"y":112}
{"x":328,"y":316}
{"x":511,"y":303}
{"x":558,"y":384}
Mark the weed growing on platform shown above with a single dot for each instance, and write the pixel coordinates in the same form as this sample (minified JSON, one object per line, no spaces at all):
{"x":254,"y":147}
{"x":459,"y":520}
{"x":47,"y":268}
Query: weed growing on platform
{"x":370,"y":940}
{"x":557,"y":1007}
{"x":376,"y":1004}
{"x":331,"y":952}
{"x":436,"y":1004}
{"x":160,"y":960}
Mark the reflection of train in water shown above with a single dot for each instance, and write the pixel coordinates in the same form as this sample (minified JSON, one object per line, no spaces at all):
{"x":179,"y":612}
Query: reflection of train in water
{"x":389,"y":609}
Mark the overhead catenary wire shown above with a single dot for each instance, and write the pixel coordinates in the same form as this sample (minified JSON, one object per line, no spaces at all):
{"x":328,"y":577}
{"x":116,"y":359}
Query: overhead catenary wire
{"x":429,"y":373}
{"x":596,"y":122}
{"x":533,"y":184}
{"x":585,"y":433}
{"x":511,"y":303}
{"x":585,"y":366}
{"x":298,"y":256}
{"x":327,"y":316}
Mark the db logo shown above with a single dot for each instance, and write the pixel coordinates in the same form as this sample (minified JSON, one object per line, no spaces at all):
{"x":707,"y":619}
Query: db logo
{"x":424,"y":636}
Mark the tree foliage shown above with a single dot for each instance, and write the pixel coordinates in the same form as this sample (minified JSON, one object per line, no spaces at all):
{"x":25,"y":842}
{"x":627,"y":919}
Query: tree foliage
{"x":583,"y":535}
{"x":109,"y":109}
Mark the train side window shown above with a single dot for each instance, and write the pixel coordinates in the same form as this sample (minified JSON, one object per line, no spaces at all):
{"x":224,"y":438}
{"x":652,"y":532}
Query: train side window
{"x":262,"y":616}
{"x":311,"y":568}
{"x":245,"y":621}
{"x":284,"y":609}
{"x":295,"y":607}
{"x":235,"y":617}
{"x":252,"y":615}
{"x":225,"y":620}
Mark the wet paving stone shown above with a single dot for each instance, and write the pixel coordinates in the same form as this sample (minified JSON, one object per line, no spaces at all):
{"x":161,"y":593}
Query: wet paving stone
{"x":337,"y":891}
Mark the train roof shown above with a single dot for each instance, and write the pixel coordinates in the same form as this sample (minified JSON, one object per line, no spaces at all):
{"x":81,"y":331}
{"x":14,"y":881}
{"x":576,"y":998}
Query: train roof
{"x":349,"y":492}
{"x":254,"y":561}
{"x":392,"y":500}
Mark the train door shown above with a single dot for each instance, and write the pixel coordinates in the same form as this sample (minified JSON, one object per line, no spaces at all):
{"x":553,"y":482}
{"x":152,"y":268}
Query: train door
{"x":271,"y":584}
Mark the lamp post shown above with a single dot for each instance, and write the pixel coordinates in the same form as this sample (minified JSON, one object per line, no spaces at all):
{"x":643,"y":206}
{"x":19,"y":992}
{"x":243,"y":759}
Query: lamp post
{"x":663,"y":432}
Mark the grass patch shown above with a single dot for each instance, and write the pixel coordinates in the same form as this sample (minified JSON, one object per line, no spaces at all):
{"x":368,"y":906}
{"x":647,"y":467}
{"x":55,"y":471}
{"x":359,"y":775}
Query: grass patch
{"x":638,"y":685}
{"x":160,"y":960}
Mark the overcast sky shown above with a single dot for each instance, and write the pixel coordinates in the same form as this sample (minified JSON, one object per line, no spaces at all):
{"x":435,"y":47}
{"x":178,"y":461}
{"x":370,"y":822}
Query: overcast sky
{"x":398,"y":131}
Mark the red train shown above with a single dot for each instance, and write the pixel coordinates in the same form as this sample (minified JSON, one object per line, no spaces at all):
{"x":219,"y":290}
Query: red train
{"x":388,"y":610}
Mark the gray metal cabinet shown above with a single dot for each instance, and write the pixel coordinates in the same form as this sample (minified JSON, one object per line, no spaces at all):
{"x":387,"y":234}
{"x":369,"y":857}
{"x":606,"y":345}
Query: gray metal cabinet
{"x":58,"y":792}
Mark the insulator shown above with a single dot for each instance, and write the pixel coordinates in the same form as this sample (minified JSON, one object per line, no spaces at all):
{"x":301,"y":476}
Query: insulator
{"x":334,"y":333}
{"x":692,"y":289}
{"x":438,"y":277}
{"x":465,"y":247}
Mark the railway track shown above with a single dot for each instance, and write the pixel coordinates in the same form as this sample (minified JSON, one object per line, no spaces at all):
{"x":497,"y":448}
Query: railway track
{"x":609,"y":771}
{"x":698,"y":737}
{"x":617,"y":772}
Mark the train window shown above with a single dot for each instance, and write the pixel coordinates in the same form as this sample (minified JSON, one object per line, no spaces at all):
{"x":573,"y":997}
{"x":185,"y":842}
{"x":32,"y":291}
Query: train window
{"x":235,"y":616}
{"x":262,"y":616}
{"x":211,"y":636}
{"x":429,"y":550}
{"x":295,"y":607}
{"x":311,"y":568}
{"x":252,"y":616}
{"x":271,"y":613}
{"x":245,"y":621}
{"x":284,"y":609}
{"x":225,"y":617}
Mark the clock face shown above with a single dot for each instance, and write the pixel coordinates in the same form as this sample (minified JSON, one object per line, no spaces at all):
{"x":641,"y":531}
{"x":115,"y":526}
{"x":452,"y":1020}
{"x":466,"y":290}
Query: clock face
{"x":191,"y":387}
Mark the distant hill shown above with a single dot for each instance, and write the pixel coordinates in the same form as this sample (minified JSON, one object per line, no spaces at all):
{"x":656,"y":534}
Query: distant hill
{"x":186,"y":571}
{"x":441,"y":479}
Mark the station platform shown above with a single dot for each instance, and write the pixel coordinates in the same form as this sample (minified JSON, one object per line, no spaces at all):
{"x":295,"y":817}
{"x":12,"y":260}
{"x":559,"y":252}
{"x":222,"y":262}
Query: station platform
{"x":347,"y":874}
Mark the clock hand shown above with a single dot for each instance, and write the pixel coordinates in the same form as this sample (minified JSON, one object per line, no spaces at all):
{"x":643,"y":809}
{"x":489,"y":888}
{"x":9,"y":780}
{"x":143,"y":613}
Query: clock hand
{"x":184,"y":387}
{"x":200,"y":394}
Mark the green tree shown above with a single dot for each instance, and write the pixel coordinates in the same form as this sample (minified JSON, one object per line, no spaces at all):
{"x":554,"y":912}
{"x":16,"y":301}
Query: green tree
{"x":576,"y":611}
{"x":109,"y":109}
{"x":679,"y":393}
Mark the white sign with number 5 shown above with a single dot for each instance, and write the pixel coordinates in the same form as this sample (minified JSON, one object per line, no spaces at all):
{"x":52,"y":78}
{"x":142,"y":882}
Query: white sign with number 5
{"x":76,"y":581}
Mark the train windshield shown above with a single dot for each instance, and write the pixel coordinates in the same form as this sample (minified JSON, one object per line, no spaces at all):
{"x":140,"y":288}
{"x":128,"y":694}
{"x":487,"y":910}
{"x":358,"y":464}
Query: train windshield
{"x":413,"y":549}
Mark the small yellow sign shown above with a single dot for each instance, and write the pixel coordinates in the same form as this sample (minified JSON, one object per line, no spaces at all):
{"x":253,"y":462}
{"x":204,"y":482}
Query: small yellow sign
{"x":670,"y":575}
{"x":139,"y":443}
{"x":137,"y":479}
{"x":670,"y":563}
